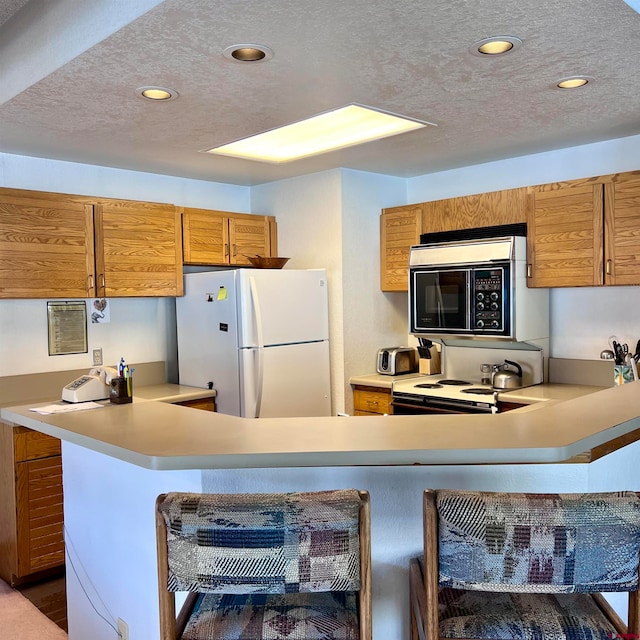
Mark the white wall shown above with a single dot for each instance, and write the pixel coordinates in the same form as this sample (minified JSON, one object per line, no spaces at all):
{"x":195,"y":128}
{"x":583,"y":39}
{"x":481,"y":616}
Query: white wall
{"x":582,"y":319}
{"x":141,"y":328}
{"x":371,"y":319}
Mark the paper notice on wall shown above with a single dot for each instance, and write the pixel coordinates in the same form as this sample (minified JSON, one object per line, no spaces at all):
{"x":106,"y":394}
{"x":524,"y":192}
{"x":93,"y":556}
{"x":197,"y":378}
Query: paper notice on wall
{"x":100,"y":311}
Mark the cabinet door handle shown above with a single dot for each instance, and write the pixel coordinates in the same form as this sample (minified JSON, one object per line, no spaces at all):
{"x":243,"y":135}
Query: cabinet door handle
{"x":90,"y":285}
{"x":226,"y":250}
{"x":608,"y":267}
{"x":102,"y":283}
{"x":529,"y":270}
{"x":235,"y":250}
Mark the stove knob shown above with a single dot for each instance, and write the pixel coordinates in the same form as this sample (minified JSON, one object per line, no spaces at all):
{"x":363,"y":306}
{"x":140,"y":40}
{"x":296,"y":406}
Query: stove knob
{"x":494,"y":306}
{"x":494,"y":295}
{"x":480,"y":306}
{"x":495,"y":324}
{"x":479,"y":295}
{"x":480,"y":324}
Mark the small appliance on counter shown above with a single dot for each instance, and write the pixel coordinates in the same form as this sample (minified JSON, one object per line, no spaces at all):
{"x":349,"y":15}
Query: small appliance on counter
{"x":394,"y":361}
{"x":95,"y":385}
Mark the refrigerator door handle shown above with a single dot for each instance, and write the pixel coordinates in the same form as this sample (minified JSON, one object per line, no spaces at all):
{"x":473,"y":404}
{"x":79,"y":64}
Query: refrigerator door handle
{"x":260,"y":340}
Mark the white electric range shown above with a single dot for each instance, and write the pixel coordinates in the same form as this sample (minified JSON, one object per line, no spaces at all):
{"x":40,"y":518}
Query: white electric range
{"x":439,"y":394}
{"x":459,"y":389}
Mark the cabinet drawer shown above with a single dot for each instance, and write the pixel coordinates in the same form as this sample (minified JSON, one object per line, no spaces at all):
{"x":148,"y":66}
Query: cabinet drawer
{"x":31,"y":445}
{"x":371,"y":400}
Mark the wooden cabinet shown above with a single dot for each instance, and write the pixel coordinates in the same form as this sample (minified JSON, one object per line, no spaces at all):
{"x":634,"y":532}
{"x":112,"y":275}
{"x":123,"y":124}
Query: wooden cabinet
{"x":585,"y":232}
{"x":400,"y":228}
{"x":224,"y":238}
{"x":479,"y":210}
{"x":622,"y":229}
{"x":205,"y":404}
{"x":46,"y":246}
{"x":138,"y":249}
{"x":370,"y":401}
{"x":64,"y":246}
{"x":31,"y":507}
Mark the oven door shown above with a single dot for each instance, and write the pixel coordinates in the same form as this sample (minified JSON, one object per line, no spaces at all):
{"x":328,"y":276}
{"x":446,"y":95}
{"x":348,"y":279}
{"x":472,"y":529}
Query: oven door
{"x":440,"y":300}
{"x":407,"y":404}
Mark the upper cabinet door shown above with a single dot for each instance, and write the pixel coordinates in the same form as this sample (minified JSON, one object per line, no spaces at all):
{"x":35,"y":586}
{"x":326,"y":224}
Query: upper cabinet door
{"x":622,"y":229}
{"x":565,"y":234}
{"x":46,"y":245}
{"x":248,"y":236}
{"x":205,"y":237}
{"x":138,"y":249}
{"x":400,"y":228}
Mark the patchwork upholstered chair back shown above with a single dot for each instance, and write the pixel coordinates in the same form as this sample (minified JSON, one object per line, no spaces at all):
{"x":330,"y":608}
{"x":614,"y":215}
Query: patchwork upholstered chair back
{"x":538,"y":542}
{"x":263,"y":555}
{"x":506,"y":565}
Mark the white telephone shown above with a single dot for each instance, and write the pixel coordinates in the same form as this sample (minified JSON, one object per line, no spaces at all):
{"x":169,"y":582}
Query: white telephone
{"x":93,"y":386}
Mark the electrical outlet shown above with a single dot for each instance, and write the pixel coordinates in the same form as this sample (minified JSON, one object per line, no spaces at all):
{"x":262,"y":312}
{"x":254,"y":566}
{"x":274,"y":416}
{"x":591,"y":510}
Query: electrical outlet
{"x":96,"y":356}
{"x":123,"y":630}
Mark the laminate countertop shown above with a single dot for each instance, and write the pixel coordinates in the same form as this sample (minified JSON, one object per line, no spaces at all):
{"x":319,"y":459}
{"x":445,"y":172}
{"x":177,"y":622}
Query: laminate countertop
{"x":526,"y":395}
{"x":161,"y":436}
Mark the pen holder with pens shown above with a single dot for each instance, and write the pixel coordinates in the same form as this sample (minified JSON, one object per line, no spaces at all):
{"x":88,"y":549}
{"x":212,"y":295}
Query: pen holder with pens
{"x":121,"y":390}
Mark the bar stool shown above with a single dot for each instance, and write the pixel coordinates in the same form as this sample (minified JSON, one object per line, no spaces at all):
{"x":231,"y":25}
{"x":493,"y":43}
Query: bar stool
{"x":258,"y":566}
{"x":525,"y":566}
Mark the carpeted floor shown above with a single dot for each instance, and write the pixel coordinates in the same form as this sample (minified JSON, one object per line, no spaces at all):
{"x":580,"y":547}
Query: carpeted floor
{"x":21,"y":620}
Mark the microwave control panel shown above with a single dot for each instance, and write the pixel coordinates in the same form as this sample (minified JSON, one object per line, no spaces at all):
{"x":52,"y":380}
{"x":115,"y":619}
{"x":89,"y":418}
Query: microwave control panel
{"x":488,"y":299}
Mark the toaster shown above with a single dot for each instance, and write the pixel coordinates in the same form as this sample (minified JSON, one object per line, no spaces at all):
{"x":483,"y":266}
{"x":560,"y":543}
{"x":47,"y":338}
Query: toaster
{"x":396,"y":360}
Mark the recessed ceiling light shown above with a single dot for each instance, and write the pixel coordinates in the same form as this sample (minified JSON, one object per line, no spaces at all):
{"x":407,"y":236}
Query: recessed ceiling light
{"x":573,"y":82}
{"x":337,"y":129}
{"x":248,"y":53}
{"x":495,"y":46}
{"x":156,"y":93}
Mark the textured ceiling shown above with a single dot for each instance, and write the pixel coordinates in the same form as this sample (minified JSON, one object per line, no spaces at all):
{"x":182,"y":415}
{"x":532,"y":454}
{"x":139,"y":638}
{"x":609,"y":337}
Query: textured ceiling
{"x":67,"y":91}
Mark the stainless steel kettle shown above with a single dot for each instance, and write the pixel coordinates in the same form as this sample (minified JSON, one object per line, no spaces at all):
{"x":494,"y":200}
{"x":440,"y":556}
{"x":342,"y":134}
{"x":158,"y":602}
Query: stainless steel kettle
{"x":504,"y":378}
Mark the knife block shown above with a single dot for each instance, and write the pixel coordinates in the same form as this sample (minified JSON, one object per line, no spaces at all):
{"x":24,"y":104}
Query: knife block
{"x":430,"y":366}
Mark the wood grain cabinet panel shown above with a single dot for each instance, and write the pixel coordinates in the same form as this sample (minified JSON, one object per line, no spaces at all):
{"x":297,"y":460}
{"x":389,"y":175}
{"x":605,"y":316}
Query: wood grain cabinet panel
{"x":138,"y":249}
{"x":478,"y":210}
{"x":226,"y":238}
{"x":622,"y":229}
{"x":46,"y":245}
{"x":205,"y":404}
{"x":400,"y":228}
{"x":31,"y":505}
{"x":565,"y":235}
{"x":40,"y":515}
{"x":585,"y":232}
{"x":371,"y":401}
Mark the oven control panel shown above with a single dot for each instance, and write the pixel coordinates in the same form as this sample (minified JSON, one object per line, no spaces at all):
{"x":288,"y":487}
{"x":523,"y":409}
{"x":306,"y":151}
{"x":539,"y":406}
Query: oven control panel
{"x":488,"y":286}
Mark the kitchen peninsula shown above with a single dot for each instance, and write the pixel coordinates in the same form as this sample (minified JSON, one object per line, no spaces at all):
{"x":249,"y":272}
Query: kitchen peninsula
{"x":117,"y":459}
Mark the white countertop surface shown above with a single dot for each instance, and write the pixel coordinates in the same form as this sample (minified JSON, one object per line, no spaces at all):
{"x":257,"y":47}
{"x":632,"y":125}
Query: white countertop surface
{"x":168,"y":392}
{"x":156,"y":435}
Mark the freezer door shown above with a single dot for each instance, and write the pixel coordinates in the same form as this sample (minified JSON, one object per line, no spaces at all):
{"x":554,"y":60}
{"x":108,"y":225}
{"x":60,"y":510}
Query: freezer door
{"x":295,"y":381}
{"x":282,"y":306}
{"x":208,"y":337}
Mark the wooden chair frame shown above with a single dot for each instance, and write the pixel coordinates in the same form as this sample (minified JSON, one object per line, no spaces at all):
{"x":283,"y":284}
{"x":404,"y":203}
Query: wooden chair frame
{"x":423,"y":588}
{"x":172,"y":627}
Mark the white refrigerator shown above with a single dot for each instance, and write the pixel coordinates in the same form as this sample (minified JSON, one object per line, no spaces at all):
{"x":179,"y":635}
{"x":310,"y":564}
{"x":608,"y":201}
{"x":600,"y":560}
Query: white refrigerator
{"x":260,"y":338}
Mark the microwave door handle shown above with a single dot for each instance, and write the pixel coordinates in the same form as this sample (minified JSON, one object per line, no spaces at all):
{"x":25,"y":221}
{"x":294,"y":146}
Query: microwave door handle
{"x":440,"y":305}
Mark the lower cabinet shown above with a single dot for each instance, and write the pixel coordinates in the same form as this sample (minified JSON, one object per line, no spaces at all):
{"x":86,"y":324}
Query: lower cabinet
{"x":371,"y":401}
{"x":206,"y":404}
{"x":31,"y":506}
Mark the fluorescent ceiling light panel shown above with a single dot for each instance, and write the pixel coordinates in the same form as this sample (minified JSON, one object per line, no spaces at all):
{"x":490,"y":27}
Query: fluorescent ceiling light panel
{"x":325,"y":132}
